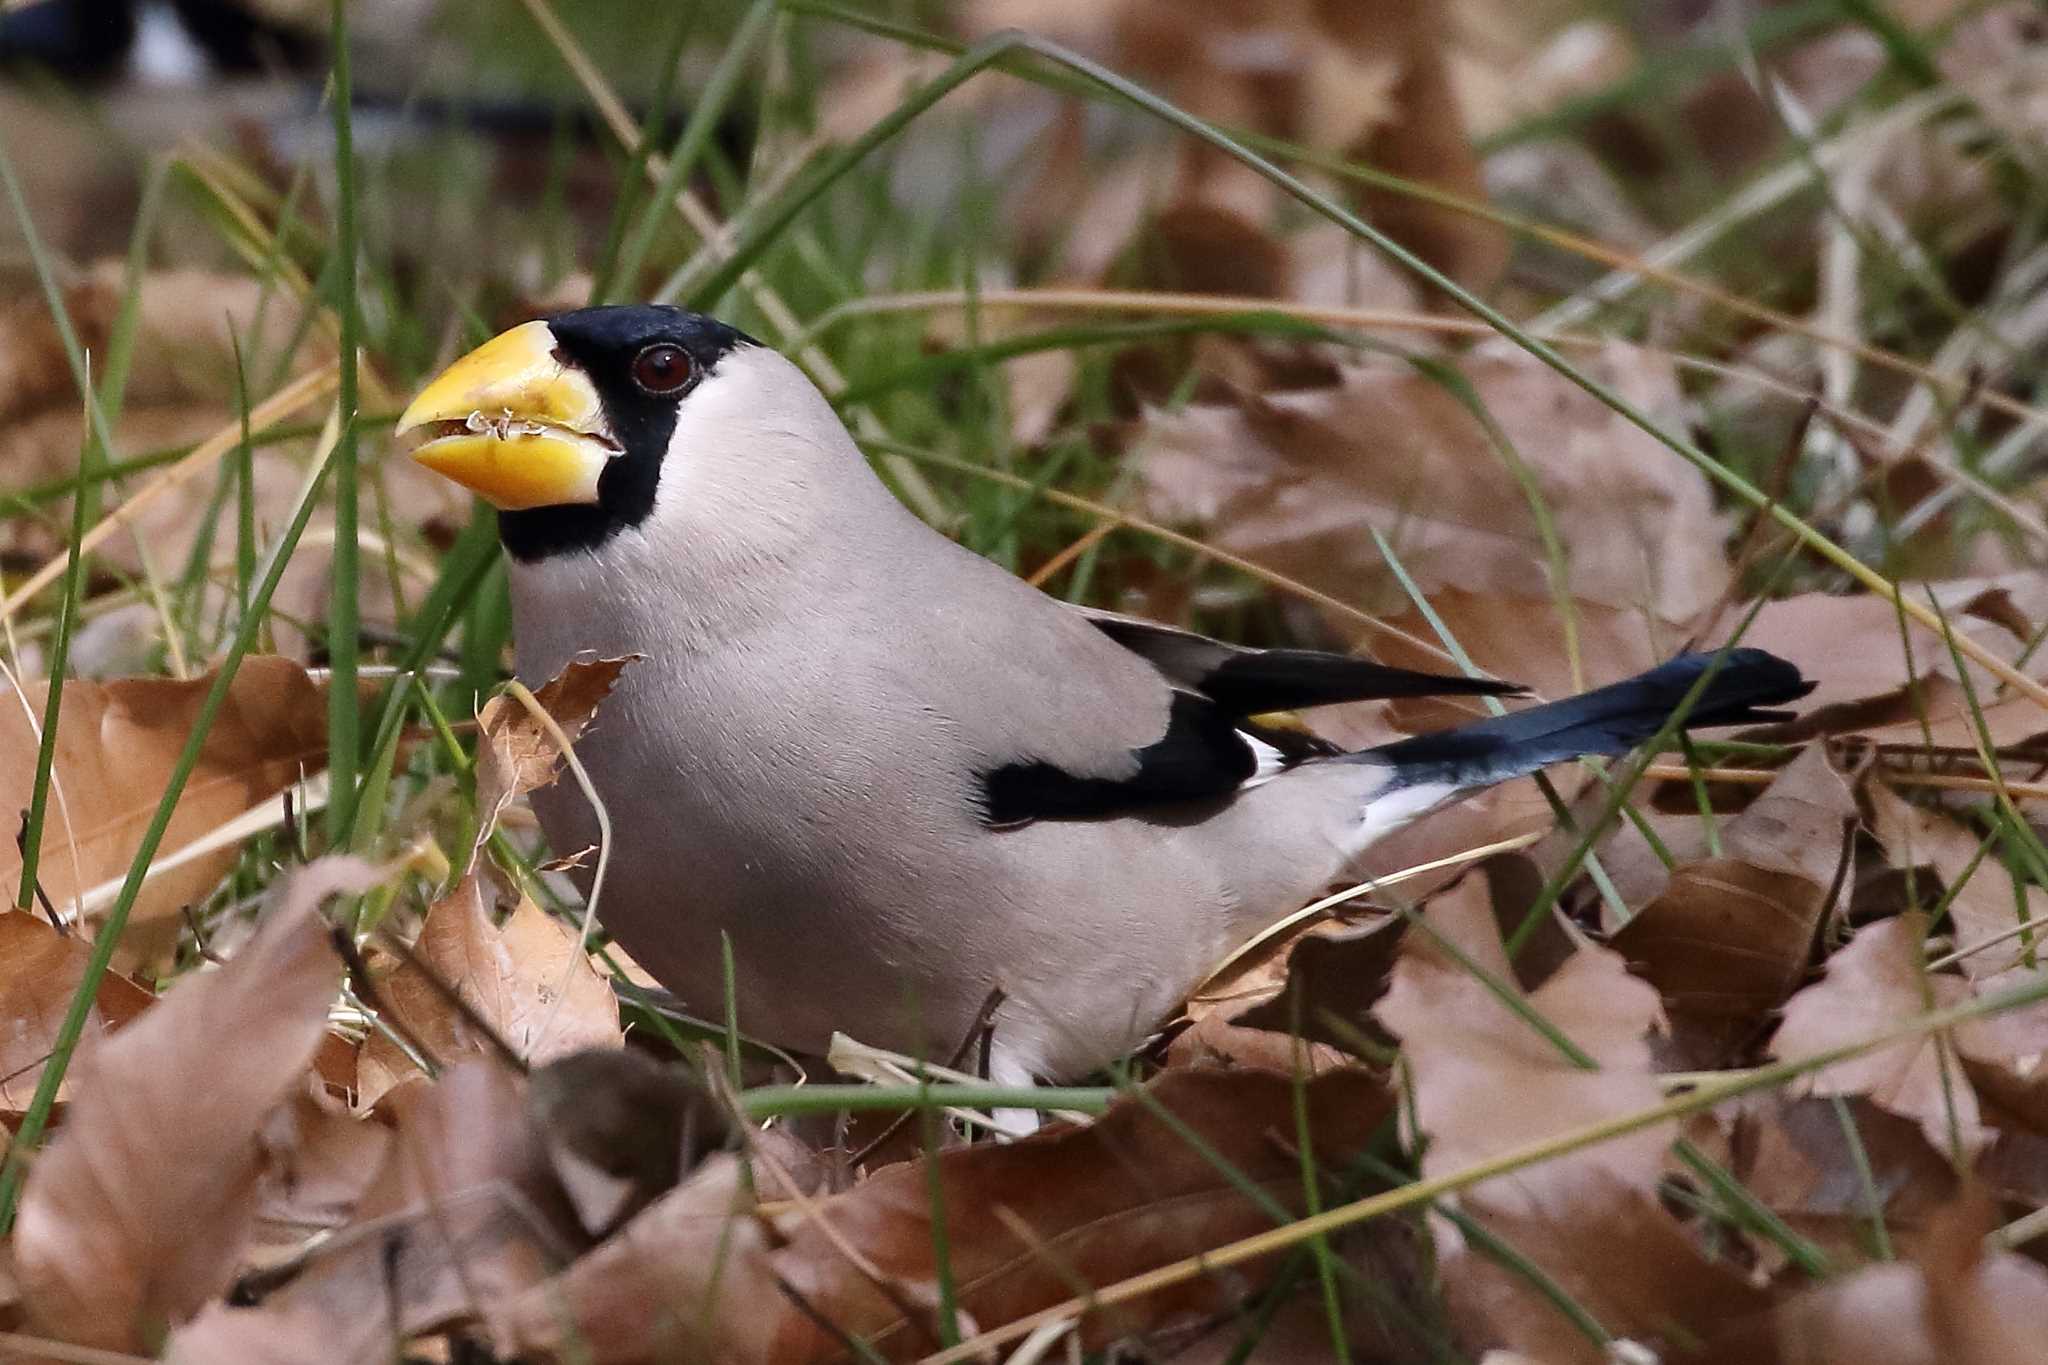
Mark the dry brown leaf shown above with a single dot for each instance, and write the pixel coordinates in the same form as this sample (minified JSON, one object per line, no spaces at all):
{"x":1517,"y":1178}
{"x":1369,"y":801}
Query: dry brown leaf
{"x":1874,"y":982}
{"x":318,"y":1160}
{"x":515,"y":753}
{"x":1939,"y":712}
{"x":1986,"y":904}
{"x":39,"y":972}
{"x":1322,"y":982}
{"x":188,"y":322}
{"x":1296,"y":1333}
{"x":1484,"y":1081}
{"x":1296,"y":481}
{"x":1619,"y":1255}
{"x":621,"y":1128}
{"x":116,"y":745}
{"x":137,"y":1213}
{"x":1361,"y":79}
{"x":1247,"y":1014}
{"x":1025,"y":1223}
{"x":1960,"y":1304}
{"x":527,"y":979}
{"x":1729,"y":938}
{"x":44,"y":447}
{"x":1522,"y":638}
{"x":10,"y":1292}
{"x":1368,"y":80}
{"x":1332,"y":982}
{"x":1724,"y":944}
{"x":689,"y":1277}
{"x":1855,"y":647}
{"x":34,"y":372}
{"x":1425,"y":141}
{"x":461,"y":1217}
{"x":1796,"y":1157}
{"x":1214,"y":1040}
{"x":188,"y":325}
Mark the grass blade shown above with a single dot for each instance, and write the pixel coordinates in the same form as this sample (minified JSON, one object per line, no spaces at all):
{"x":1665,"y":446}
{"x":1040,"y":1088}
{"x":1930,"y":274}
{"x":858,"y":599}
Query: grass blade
{"x":708,"y":108}
{"x":344,"y":626}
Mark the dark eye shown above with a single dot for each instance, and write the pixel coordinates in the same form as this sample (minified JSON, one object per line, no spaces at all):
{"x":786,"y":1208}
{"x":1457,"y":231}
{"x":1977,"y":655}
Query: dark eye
{"x":663,"y":368}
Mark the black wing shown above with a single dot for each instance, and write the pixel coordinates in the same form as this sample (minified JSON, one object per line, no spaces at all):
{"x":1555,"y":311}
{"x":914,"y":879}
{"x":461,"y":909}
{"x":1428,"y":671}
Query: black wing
{"x":1249,"y":682}
{"x":1201,"y":756}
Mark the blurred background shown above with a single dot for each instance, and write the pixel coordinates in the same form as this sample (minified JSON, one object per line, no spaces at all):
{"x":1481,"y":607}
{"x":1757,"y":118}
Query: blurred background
{"x":1870,"y":168}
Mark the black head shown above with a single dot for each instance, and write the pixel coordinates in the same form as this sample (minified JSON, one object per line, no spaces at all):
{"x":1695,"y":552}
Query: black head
{"x":644,"y":360}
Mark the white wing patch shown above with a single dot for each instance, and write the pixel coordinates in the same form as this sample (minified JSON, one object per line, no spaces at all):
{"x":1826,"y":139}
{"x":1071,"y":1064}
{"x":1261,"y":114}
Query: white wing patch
{"x":1271,"y":761}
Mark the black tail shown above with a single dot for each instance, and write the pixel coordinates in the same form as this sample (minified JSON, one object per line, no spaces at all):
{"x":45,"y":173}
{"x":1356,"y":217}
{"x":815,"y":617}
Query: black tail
{"x":1607,"y":720}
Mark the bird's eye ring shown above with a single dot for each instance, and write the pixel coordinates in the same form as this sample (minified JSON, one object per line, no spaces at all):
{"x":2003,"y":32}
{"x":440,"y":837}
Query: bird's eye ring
{"x":663,"y":368}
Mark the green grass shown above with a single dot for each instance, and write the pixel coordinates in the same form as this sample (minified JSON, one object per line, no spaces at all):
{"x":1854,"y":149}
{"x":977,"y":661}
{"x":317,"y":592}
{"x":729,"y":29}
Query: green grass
{"x":344,"y":636}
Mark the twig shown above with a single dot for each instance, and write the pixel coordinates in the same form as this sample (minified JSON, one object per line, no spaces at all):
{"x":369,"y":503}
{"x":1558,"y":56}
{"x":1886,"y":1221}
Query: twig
{"x":982,"y":1028}
{"x":365,"y":987}
{"x":1762,"y":777}
{"x":42,"y":897}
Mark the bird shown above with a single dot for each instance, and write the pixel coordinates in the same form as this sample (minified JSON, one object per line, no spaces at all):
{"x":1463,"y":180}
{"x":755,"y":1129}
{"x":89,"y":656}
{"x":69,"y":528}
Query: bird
{"x":893,"y":780}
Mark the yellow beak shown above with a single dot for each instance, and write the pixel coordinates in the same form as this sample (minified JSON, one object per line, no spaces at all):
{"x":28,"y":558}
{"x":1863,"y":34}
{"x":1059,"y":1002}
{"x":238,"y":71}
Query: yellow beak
{"x":514,"y":422}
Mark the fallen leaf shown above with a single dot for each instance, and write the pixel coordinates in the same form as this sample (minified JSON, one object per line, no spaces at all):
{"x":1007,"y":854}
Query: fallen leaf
{"x":43,"y":447}
{"x":688,"y":1278}
{"x":1729,"y":938}
{"x":1959,"y":1304}
{"x":1622,"y":1259}
{"x":462,"y":1216}
{"x":515,"y":753}
{"x":1937,"y":711}
{"x":318,"y":1160}
{"x":1856,"y":646}
{"x":1333,"y":980}
{"x":1247,"y":1013}
{"x":1986,"y":904}
{"x":34,"y":371}
{"x":1494,"y":630}
{"x":1298,"y":1331}
{"x":1803,"y":1159}
{"x":1369,"y":81}
{"x":137,"y":1213}
{"x":1482,"y":1080}
{"x":621,"y":1128}
{"x":1214,"y":1040}
{"x":1025,"y":1223}
{"x":10,"y":1292}
{"x":1297,"y":481}
{"x":1877,"y":980}
{"x":1424,"y":142}
{"x":527,"y":979}
{"x":117,"y":743}
{"x":187,"y":325}
{"x":39,"y":973}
